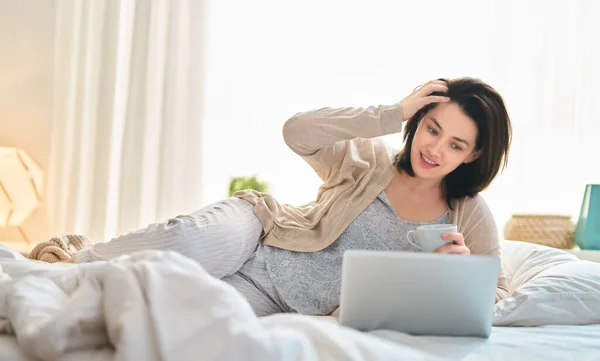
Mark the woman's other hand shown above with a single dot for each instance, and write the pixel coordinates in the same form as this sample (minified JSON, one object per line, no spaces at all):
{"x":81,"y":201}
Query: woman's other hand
{"x":456,"y":247}
{"x":422,"y":96}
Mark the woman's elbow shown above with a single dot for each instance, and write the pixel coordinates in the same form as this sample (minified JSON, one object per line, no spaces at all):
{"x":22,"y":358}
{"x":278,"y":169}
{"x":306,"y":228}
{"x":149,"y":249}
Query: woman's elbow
{"x":501,"y":294}
{"x":291,"y":128}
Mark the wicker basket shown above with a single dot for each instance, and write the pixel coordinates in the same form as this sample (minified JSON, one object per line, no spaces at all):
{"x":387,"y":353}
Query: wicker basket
{"x":551,"y":230}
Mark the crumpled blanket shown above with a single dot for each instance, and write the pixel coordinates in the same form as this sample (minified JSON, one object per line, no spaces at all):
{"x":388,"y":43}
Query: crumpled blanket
{"x":155,"y":305}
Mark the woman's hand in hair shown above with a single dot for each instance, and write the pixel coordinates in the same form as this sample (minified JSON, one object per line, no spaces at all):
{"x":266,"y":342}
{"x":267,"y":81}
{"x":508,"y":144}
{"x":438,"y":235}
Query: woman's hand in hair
{"x":456,"y":247}
{"x":423,"y":96}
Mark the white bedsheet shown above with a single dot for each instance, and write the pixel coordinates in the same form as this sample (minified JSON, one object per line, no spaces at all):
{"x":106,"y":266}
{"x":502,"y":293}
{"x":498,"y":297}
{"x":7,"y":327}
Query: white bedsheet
{"x":581,"y":343}
{"x":163,"y":306}
{"x":506,"y":343}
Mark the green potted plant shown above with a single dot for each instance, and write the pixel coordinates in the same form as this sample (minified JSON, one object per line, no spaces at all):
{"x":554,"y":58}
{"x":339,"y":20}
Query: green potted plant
{"x":241,"y":183}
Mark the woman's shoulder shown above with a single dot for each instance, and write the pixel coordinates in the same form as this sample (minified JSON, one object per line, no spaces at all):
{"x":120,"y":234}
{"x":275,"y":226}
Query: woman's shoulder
{"x":472,"y":202}
{"x":472,"y":207}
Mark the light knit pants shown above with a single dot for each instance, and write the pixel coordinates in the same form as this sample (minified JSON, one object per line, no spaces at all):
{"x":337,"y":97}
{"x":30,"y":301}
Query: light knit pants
{"x":222,"y":237}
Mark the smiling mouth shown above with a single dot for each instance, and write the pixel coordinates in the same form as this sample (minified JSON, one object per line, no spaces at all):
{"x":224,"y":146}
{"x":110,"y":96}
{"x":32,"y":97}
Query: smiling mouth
{"x":428,"y":161}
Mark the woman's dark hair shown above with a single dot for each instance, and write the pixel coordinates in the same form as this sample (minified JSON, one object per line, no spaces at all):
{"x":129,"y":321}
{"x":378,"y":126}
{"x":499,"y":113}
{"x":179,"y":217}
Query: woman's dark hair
{"x":485,"y":106}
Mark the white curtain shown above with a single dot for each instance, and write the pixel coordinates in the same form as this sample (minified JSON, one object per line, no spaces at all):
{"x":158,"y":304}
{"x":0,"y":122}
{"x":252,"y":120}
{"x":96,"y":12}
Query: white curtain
{"x":272,"y":59}
{"x":126,"y":141}
{"x":546,"y":65}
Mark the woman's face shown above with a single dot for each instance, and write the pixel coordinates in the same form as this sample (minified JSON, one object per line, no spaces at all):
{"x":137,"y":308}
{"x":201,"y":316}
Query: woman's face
{"x":445,"y":138}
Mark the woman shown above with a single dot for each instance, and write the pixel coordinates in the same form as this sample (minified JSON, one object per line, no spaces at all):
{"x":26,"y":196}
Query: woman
{"x":286,"y":258}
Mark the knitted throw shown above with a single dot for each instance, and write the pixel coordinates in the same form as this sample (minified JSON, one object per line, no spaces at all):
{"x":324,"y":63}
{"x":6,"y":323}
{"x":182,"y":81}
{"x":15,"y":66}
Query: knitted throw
{"x":59,"y":249}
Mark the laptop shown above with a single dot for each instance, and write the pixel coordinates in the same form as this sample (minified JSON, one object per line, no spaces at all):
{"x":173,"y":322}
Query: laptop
{"x":419,"y":293}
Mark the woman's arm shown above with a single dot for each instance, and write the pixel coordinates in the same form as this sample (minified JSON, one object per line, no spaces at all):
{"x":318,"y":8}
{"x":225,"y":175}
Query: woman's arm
{"x":322,"y":136}
{"x":502,"y":291}
{"x":481,"y":236}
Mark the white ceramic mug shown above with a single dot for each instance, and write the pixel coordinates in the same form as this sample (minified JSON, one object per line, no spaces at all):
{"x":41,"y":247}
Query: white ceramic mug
{"x":429,"y":237}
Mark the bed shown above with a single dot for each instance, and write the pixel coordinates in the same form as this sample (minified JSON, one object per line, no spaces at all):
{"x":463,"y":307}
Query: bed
{"x":577,"y":343}
{"x":163,"y":306}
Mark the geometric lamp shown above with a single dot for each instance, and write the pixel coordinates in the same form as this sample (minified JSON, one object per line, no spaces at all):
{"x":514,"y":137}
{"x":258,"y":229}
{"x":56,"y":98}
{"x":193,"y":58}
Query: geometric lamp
{"x":20,"y":187}
{"x":587,"y":233}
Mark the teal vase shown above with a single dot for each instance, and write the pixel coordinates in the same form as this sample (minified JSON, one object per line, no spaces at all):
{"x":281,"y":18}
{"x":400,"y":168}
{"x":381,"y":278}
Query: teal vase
{"x":587,"y":233}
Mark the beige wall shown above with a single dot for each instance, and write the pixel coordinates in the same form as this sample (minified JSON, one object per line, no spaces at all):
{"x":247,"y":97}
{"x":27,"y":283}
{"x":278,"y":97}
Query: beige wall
{"x":26,"y":62}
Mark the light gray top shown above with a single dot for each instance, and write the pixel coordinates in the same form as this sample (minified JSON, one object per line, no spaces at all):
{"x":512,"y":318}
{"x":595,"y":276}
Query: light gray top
{"x":309,"y":282}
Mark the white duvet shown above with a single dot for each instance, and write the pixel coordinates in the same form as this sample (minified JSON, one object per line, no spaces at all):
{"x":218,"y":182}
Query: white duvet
{"x":163,"y":306}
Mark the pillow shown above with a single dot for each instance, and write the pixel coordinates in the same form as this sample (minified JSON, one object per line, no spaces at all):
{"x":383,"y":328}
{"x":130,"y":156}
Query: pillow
{"x":548,"y":287}
{"x":522,"y":261}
